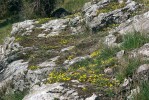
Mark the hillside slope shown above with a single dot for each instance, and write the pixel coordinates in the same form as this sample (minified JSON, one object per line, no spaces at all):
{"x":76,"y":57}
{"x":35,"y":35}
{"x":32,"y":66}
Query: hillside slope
{"x":99,"y":53}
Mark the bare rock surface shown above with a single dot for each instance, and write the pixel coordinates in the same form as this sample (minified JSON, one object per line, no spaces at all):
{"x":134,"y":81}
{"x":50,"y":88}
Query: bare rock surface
{"x":26,"y":26}
{"x":142,"y":68}
{"x":97,"y":21}
{"x":138,"y":23}
{"x":51,"y":92}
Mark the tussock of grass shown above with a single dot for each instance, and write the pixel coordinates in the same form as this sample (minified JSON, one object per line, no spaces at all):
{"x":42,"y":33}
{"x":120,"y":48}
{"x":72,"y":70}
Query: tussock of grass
{"x":134,"y":40}
{"x":13,"y":96}
{"x":128,"y":69}
{"x":144,"y":92}
{"x":4,"y":32}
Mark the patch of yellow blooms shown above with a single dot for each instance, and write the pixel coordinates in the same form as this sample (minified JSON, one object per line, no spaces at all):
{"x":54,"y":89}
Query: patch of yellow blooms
{"x":82,"y":75}
{"x":89,"y":73}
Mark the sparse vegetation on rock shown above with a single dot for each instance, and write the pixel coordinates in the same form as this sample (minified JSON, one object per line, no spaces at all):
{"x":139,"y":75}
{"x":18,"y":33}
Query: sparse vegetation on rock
{"x":100,"y":51}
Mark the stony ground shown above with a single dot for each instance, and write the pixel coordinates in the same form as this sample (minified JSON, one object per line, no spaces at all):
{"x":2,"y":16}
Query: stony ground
{"x":99,"y":53}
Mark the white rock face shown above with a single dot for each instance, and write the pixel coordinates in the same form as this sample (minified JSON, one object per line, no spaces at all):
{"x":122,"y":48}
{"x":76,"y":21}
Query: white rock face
{"x":14,"y":69}
{"x":67,"y":49}
{"x":50,"y":63}
{"x":26,"y":26}
{"x":143,"y":52}
{"x":96,"y":21}
{"x":121,"y":1}
{"x":55,"y":26}
{"x":126,"y":82}
{"x":52,"y":91}
{"x":1,"y":51}
{"x":142,"y":68}
{"x":75,"y":60}
{"x":110,"y":40}
{"x":108,"y":71}
{"x":120,"y":54}
{"x":9,"y":45}
{"x":134,"y":92}
{"x":41,"y":35}
{"x":138,"y":23}
{"x":93,"y":97}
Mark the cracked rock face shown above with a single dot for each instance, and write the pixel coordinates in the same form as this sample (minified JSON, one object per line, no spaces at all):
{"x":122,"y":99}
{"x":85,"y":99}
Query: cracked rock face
{"x":26,"y":26}
{"x":14,"y":69}
{"x":142,"y":52}
{"x":55,"y":26}
{"x":55,"y":91}
{"x":142,"y":68}
{"x":51,"y":92}
{"x":138,"y":23}
{"x":97,"y":21}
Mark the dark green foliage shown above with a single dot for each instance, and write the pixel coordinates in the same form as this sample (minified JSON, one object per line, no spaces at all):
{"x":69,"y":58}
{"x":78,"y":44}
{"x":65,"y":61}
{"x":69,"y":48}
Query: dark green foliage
{"x":14,"y":6}
{"x":9,"y":8}
{"x":26,"y":8}
{"x":41,"y":7}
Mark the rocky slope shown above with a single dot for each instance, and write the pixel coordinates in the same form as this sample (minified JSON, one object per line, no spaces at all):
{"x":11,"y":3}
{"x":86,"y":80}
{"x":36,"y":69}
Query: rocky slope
{"x":84,"y":56}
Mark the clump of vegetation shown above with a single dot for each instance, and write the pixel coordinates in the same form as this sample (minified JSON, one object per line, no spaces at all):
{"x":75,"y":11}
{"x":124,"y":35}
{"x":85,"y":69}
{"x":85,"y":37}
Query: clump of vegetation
{"x":145,"y":2}
{"x":89,"y":71}
{"x":144,"y":91}
{"x":110,"y":7}
{"x":33,"y":67}
{"x":128,"y":69}
{"x":18,"y":95}
{"x":4,"y":32}
{"x":42,"y":20}
{"x":82,"y":75}
{"x":134,"y":40}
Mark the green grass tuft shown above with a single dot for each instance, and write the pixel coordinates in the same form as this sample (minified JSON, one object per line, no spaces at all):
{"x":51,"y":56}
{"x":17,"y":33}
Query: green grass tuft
{"x":144,"y":92}
{"x":4,"y":32}
{"x":13,"y":96}
{"x":135,"y":40}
